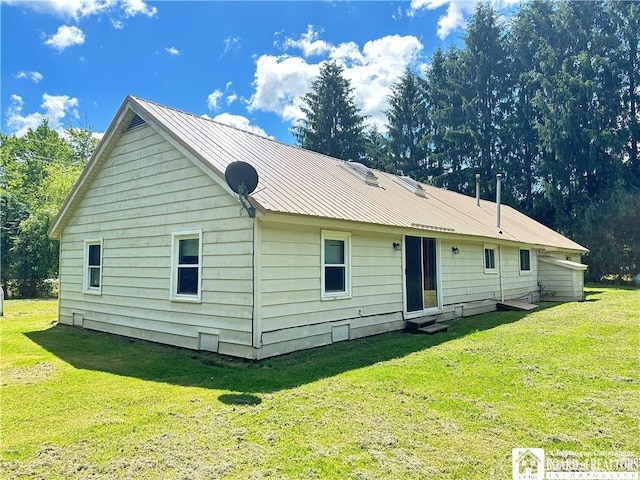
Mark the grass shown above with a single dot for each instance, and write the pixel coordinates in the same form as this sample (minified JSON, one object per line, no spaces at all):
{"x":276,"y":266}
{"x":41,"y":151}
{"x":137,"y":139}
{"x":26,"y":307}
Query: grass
{"x":78,"y":404}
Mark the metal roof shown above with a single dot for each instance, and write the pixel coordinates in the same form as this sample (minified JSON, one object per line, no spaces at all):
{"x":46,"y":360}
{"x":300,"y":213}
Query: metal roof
{"x":302,"y":182}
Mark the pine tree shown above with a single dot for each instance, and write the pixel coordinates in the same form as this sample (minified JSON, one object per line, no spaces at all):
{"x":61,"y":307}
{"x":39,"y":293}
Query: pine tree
{"x":332,"y":124}
{"x":487,"y":94}
{"x":407,"y":125}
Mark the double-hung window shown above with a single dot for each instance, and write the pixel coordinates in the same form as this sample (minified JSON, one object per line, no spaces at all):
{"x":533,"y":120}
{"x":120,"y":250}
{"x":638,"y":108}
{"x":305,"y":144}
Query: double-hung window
{"x":93,"y":267}
{"x":489,"y":259}
{"x":186,"y":268}
{"x":336,"y":264}
{"x":525,"y":261}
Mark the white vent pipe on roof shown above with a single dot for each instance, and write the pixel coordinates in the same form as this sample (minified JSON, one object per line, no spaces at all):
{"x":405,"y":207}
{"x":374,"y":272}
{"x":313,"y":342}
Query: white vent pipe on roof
{"x":498,"y":193}
{"x":478,"y":189}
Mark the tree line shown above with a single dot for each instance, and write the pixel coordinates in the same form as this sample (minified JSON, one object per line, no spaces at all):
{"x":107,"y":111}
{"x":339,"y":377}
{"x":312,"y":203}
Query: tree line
{"x":37,"y":171}
{"x":549,"y":98}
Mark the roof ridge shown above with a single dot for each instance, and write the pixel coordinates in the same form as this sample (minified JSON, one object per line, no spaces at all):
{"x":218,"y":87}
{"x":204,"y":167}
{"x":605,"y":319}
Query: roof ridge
{"x":217,"y":122}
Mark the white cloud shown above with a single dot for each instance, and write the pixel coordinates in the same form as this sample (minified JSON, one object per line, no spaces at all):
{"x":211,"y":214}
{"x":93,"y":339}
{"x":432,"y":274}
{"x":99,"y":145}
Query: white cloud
{"x":34,"y":76}
{"x":213,"y":98}
{"x":230,"y":43}
{"x":172,"y":51}
{"x":457,"y":12}
{"x":73,"y":8}
{"x":65,"y":37}
{"x":240,"y":122}
{"x":77,"y":9}
{"x":308,"y":43}
{"x":281,"y":81}
{"x":117,"y":24}
{"x":134,"y":7}
{"x":56,"y":108}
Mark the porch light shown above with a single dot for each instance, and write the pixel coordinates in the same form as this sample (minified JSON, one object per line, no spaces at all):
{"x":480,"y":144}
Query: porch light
{"x":455,"y":250}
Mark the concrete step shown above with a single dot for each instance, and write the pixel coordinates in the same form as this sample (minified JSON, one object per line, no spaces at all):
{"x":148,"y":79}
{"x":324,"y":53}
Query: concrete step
{"x":413,"y":325}
{"x":435,"y":328}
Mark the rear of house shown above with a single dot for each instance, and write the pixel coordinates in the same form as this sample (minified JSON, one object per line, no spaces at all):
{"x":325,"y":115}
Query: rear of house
{"x":155,"y":245}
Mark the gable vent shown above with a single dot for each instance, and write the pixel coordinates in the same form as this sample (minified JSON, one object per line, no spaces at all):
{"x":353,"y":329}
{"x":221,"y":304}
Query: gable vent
{"x":362,"y":172}
{"x":135,"y":122}
{"x":412,"y":185}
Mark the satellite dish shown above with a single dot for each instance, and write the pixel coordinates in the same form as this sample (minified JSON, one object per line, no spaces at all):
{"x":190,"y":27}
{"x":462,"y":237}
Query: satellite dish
{"x":242,"y":178}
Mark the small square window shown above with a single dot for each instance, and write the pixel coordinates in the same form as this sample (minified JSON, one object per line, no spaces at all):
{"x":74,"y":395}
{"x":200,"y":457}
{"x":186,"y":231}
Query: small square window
{"x":93,"y":267}
{"x":525,"y":261}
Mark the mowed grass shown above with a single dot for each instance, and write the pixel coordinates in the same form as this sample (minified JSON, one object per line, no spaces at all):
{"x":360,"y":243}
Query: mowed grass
{"x":78,"y":404}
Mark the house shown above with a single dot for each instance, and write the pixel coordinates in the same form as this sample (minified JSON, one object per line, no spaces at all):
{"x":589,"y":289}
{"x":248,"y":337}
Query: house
{"x":155,"y":245}
{"x":528,"y":464}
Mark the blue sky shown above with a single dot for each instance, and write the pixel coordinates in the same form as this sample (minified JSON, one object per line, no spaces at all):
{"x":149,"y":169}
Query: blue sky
{"x":242,"y":63}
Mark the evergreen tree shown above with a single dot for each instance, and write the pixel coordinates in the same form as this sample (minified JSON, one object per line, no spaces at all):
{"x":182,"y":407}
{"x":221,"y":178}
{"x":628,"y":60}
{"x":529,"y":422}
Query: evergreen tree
{"x":487,"y":95}
{"x":332,"y":124}
{"x":377,"y":151}
{"x":449,"y":140}
{"x":626,"y":18}
{"x":407,"y":125}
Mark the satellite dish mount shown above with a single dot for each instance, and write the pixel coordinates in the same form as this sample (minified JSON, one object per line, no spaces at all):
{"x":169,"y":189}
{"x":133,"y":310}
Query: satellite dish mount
{"x":242,"y":178}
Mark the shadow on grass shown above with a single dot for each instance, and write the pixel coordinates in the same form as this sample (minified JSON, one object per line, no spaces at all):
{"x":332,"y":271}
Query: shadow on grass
{"x":91,"y":350}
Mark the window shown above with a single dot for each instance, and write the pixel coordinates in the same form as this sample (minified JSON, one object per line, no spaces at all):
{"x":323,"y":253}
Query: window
{"x":489,"y":259}
{"x":336,"y":264}
{"x":186,"y":272}
{"x":525,"y":261}
{"x":93,"y":267}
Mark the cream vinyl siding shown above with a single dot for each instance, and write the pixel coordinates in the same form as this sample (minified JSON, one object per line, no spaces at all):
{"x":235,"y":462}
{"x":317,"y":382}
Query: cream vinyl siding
{"x":561,"y":280}
{"x":464,"y":281}
{"x":146,"y":191}
{"x":295,"y":316}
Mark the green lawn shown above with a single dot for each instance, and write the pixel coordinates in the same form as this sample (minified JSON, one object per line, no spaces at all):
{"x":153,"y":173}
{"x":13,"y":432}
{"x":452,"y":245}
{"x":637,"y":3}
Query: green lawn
{"x":78,"y":404}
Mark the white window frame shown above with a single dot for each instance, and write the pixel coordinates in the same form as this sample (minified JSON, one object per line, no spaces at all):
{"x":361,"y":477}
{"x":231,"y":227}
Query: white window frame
{"x":495,"y":258}
{"x":524,"y":272}
{"x":86,"y":282}
{"x":346,"y":238}
{"x":175,"y":245}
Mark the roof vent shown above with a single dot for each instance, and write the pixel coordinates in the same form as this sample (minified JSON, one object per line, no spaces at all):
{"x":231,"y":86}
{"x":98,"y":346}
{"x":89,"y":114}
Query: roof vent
{"x":135,"y":122}
{"x":412,"y":185}
{"x":362,"y":172}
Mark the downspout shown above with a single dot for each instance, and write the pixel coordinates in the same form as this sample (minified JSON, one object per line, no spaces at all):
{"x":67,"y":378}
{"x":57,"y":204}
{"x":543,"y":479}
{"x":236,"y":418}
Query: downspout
{"x":256,"y":311}
{"x":500,"y":272}
{"x":498,"y":199}
{"x":499,"y":225}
